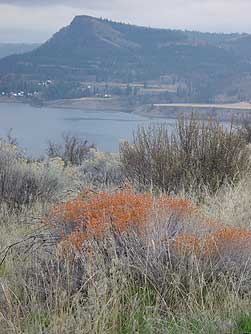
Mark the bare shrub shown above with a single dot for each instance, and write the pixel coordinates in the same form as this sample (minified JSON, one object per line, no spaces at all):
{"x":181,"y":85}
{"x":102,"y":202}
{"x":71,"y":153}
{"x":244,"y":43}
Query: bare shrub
{"x":245,"y":128}
{"x":9,"y":138}
{"x":73,"y":150}
{"x":195,"y":155}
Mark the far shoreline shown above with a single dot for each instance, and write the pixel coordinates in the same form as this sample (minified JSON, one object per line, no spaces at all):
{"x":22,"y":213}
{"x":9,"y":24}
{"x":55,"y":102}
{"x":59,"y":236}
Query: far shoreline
{"x":223,"y":112}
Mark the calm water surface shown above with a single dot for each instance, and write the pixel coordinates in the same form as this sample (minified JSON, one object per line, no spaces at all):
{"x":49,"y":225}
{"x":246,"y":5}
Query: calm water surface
{"x":34,"y":127}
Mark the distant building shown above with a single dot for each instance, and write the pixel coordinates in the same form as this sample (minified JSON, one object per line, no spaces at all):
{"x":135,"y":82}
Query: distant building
{"x":167,"y":79}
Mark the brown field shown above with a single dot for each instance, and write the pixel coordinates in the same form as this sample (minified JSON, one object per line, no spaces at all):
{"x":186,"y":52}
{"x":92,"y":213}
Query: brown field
{"x":237,"y":106}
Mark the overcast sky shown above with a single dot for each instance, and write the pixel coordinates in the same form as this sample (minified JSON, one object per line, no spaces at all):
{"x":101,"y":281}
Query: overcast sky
{"x":37,"y":20}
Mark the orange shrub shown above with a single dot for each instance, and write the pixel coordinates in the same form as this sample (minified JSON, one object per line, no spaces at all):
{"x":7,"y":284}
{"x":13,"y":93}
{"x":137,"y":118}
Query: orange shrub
{"x":186,"y":244}
{"x":179,"y":206}
{"x":214,"y":242}
{"x":95,"y":214}
{"x":226,"y":237}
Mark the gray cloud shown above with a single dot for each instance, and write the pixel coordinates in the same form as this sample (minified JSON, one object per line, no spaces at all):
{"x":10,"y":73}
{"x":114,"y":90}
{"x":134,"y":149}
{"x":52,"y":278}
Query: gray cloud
{"x":68,"y":3}
{"x":36,"y":20}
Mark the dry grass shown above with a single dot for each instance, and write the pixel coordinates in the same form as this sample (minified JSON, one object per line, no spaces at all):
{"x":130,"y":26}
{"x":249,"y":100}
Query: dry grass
{"x":104,"y":293}
{"x":133,"y":282}
{"x":55,"y":296}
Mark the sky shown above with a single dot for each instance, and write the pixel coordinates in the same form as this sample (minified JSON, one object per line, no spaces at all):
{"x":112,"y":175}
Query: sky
{"x":32,"y":21}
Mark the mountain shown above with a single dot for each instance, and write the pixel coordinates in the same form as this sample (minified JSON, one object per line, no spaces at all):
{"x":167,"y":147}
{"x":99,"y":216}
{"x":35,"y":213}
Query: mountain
{"x":7,"y":49}
{"x":207,"y":65}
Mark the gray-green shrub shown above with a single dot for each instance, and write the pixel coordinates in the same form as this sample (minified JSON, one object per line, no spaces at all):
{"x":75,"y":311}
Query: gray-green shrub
{"x":101,"y":169}
{"x":22,"y":181}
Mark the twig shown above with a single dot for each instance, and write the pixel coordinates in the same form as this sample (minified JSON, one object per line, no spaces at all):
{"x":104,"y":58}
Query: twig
{"x":8,"y":248}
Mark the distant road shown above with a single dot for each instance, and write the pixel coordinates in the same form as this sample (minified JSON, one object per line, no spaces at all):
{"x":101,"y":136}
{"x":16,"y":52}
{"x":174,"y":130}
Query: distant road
{"x":237,"y":106}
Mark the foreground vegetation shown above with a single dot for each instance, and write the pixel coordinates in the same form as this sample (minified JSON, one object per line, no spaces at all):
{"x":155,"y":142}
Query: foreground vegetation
{"x":87,"y":248}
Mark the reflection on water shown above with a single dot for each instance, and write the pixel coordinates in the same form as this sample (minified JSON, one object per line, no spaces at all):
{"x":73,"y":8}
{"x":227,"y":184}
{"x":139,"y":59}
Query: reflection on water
{"x":35,"y":126}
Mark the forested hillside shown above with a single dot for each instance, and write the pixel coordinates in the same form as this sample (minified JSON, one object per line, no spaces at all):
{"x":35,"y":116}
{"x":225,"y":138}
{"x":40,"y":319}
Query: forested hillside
{"x":207,"y":65}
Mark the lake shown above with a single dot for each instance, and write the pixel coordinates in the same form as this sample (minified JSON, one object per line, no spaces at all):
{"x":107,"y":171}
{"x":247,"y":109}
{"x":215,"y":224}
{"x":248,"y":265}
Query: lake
{"x":34,"y":127}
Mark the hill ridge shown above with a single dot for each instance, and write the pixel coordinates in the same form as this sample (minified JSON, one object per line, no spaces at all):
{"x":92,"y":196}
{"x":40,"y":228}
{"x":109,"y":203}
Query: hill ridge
{"x":203,"y":64}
